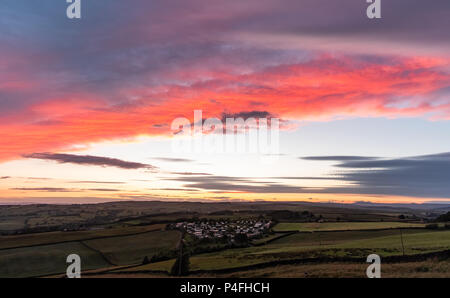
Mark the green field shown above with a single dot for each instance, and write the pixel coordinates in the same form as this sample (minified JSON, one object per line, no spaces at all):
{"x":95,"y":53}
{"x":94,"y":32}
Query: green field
{"x":54,"y":237}
{"x":269,"y":237}
{"x":46,"y":260}
{"x":311,"y":245}
{"x":342,"y":226}
{"x":158,"y":266}
{"x":431,"y":268}
{"x":38,"y":260}
{"x":132,"y":249}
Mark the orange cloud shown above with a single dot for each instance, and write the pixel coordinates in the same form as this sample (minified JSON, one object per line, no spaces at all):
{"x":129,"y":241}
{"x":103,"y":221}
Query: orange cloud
{"x":321,"y":89}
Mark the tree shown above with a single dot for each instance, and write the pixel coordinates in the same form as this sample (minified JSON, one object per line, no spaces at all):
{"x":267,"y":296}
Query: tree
{"x":432,"y":226}
{"x":444,"y":217}
{"x":145,"y":261}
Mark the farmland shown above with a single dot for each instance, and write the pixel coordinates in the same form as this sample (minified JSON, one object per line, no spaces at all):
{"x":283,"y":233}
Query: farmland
{"x":44,"y":260}
{"x":352,"y":244}
{"x":296,"y":243}
{"x":296,"y":246}
{"x":55,"y":237}
{"x":104,"y":249}
{"x":423,"y":269}
{"x":343,"y":226}
{"x":132,"y":249}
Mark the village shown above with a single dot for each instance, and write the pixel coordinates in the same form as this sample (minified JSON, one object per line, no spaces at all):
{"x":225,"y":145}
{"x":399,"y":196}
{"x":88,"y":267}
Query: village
{"x":225,"y":229}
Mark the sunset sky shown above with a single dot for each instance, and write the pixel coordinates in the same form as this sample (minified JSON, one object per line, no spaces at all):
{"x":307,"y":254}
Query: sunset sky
{"x":86,"y":105}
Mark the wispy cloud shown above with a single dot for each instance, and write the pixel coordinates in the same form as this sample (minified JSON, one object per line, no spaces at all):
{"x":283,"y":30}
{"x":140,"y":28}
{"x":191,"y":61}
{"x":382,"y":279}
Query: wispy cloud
{"x":190,"y":174}
{"x":172,"y":159}
{"x":45,"y":189}
{"x":90,"y":160}
{"x":338,"y":158}
{"x":97,"y":182}
{"x":247,"y":115}
{"x":234,"y":184}
{"x":104,"y":189}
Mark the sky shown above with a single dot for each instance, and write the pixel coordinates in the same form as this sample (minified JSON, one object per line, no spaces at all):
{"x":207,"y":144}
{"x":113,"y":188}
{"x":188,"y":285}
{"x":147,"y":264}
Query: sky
{"x":87,"y":105}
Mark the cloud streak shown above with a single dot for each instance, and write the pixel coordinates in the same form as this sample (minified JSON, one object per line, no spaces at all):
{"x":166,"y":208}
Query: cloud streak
{"x":90,"y":160}
{"x":424,"y":176}
{"x":416,"y":176}
{"x":45,"y":189}
{"x":171,"y":159}
{"x":338,"y":158}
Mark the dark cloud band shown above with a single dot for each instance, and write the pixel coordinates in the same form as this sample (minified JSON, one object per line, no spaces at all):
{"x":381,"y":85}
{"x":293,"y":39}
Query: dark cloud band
{"x":90,"y":160}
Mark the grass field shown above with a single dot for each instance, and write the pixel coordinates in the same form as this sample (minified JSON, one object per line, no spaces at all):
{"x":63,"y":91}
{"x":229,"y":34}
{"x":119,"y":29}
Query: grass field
{"x":132,"y":249}
{"x":430,"y":268}
{"x":326,"y":244}
{"x":50,"y":259}
{"x":46,"y":260}
{"x":268,"y":238}
{"x":54,"y":237}
{"x":342,"y":226}
{"x":346,"y":244}
{"x":158,"y":266}
{"x":425,"y":269}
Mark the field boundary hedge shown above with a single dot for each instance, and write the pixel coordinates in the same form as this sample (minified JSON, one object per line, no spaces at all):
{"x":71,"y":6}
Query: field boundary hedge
{"x":284,"y":234}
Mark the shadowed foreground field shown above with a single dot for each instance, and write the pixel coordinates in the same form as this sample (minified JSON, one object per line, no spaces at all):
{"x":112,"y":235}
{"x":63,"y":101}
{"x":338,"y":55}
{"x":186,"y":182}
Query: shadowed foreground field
{"x":104,"y":249}
{"x":48,"y":259}
{"x":327,"y":245}
{"x":426,"y":269}
{"x":431,"y":268}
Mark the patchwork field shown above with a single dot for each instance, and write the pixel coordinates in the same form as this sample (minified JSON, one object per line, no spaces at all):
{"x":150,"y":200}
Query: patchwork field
{"x":45,"y":260}
{"x":38,"y":260}
{"x":132,"y":249}
{"x":350,"y":244}
{"x":113,"y":240}
{"x":55,"y":237}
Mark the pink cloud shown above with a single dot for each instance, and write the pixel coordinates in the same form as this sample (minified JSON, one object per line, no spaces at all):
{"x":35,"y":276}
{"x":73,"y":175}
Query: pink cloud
{"x":320,"y":89}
